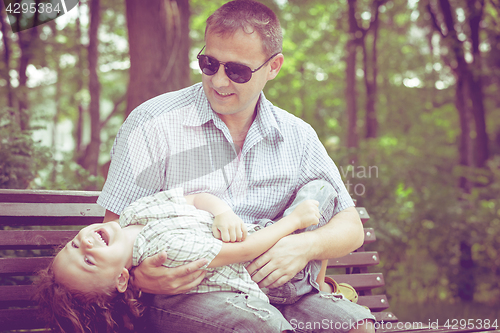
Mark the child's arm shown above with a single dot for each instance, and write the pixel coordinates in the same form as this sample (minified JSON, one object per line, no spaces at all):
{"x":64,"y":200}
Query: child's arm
{"x":304,"y":215}
{"x":227,"y":226}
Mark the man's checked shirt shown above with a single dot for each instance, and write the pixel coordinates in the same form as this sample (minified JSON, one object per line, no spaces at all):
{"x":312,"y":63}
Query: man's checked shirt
{"x":185,"y":233}
{"x":177,"y":140}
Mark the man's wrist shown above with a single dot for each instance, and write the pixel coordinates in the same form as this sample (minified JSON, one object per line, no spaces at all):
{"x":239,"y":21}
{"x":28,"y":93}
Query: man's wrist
{"x":309,"y":241}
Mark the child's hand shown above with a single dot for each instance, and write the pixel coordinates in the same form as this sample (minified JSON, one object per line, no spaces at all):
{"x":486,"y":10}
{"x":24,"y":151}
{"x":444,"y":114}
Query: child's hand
{"x":229,"y":227}
{"x":307,"y":213}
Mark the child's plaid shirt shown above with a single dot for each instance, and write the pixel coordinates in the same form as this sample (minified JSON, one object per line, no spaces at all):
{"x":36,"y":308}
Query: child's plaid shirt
{"x":185,"y":233}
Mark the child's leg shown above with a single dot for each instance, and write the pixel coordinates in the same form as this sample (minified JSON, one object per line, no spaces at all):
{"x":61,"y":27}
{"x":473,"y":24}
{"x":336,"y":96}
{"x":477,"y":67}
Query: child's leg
{"x":324,"y":193}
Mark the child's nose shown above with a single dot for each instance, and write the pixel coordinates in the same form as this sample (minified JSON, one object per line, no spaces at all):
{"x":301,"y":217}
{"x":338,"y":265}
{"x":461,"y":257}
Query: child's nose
{"x":88,"y":243}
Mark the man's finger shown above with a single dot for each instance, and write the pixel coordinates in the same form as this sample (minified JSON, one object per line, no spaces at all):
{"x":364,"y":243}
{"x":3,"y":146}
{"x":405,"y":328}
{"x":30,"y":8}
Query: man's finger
{"x":271,"y":282}
{"x":193,"y":267}
{"x":197,"y":280}
{"x":158,"y":259}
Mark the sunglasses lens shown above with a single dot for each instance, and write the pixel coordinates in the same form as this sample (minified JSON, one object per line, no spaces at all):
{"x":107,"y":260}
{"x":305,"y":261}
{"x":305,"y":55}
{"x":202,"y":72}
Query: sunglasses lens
{"x":238,"y":73}
{"x":208,"y":65}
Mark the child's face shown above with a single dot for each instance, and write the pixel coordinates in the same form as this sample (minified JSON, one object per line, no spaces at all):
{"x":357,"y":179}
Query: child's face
{"x":97,"y":258}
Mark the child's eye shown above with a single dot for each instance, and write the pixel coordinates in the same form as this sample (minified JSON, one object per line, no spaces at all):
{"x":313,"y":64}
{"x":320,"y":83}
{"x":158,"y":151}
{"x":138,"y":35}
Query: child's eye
{"x":73,"y":244}
{"x":88,"y":262}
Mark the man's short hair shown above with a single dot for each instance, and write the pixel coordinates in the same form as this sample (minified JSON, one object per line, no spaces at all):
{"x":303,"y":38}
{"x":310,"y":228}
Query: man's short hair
{"x":250,"y":16}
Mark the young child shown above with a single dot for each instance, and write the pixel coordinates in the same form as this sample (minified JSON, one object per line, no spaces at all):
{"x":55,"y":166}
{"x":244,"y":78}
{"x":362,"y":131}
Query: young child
{"x":86,"y":286}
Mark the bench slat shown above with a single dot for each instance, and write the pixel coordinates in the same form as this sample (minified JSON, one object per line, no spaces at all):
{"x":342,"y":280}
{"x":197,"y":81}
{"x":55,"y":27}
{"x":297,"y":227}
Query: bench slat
{"x":20,"y":221}
{"x":376,"y":303}
{"x":23,"y":265}
{"x":16,"y":293}
{"x":49,"y":238}
{"x":361,"y":281}
{"x":363,"y":214}
{"x":20,"y":319}
{"x":369,"y":236}
{"x":357,"y":259}
{"x":358,"y":281}
{"x":29,"y":239}
{"x":48,"y":196}
{"x":33,"y":210}
{"x":385,"y":316}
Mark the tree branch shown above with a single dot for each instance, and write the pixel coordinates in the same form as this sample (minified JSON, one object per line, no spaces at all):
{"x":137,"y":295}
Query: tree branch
{"x":437,"y":27}
{"x":115,"y":110}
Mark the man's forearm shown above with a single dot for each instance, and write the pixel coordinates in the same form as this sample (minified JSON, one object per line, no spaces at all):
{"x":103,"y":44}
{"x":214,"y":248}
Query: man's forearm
{"x":340,"y":236}
{"x":110,"y":216}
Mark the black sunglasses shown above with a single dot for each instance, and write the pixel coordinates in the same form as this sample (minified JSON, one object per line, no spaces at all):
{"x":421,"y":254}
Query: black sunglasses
{"x":235,"y":72}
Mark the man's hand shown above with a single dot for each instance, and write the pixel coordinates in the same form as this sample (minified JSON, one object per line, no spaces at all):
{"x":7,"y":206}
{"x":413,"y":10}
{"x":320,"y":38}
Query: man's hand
{"x":229,"y":227}
{"x":280,"y":263}
{"x":151,"y":277}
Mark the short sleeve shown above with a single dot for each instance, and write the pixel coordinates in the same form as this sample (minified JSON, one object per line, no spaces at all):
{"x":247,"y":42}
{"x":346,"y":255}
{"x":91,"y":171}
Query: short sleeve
{"x":317,"y":164}
{"x":138,"y":162}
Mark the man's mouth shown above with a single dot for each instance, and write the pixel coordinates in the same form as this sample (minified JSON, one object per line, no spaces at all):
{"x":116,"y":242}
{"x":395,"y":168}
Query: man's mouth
{"x":223,"y":94}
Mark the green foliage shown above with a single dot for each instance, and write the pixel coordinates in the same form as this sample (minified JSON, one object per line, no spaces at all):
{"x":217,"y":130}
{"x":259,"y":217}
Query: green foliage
{"x":20,"y":157}
{"x":68,"y":175}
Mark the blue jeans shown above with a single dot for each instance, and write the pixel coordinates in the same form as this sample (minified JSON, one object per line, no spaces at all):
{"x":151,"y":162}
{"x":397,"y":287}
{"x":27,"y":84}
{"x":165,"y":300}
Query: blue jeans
{"x":223,"y":312}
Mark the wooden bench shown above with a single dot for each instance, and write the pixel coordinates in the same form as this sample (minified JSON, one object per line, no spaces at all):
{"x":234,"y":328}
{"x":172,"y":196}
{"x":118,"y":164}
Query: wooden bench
{"x":32,"y":223}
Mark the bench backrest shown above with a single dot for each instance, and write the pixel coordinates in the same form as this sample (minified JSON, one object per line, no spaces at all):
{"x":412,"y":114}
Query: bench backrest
{"x":33,"y":223}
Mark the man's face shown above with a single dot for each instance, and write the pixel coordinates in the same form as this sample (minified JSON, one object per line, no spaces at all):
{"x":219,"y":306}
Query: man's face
{"x":94,"y":259}
{"x":225,"y":96}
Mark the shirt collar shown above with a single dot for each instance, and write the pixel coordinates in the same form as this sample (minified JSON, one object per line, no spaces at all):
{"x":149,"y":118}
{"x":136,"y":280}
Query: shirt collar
{"x":266,"y":120}
{"x":201,"y":112}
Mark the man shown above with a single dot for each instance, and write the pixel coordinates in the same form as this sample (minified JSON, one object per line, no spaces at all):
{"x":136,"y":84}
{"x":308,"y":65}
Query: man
{"x":225,"y":138}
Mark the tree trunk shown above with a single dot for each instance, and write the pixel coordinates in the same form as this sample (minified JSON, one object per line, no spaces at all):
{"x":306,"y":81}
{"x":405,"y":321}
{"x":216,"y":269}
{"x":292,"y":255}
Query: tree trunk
{"x":465,"y":278}
{"x":78,"y":129}
{"x":92,"y":151}
{"x":57,"y":100}
{"x":6,"y":56}
{"x":27,"y":40}
{"x":351,"y":92}
{"x":159,"y":48}
{"x":476,"y":84}
{"x":371,"y":72}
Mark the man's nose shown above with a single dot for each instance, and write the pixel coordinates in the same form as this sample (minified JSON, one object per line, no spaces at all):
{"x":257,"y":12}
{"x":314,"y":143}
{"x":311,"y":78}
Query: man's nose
{"x":220,"y":78}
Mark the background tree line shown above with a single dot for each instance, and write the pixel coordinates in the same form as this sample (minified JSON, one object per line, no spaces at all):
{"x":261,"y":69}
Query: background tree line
{"x":404,"y":95}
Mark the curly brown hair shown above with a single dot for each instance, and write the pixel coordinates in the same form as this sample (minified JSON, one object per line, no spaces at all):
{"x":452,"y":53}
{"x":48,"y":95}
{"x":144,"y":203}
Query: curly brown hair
{"x":66,"y":310}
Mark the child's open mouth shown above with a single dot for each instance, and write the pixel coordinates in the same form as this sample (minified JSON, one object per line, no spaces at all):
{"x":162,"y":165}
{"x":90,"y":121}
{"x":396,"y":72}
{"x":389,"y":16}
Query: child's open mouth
{"x":102,"y":236}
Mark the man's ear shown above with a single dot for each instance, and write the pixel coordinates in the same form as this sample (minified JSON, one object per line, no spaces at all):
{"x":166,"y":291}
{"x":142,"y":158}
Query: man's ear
{"x":276,"y":64}
{"x":122,"y":281}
